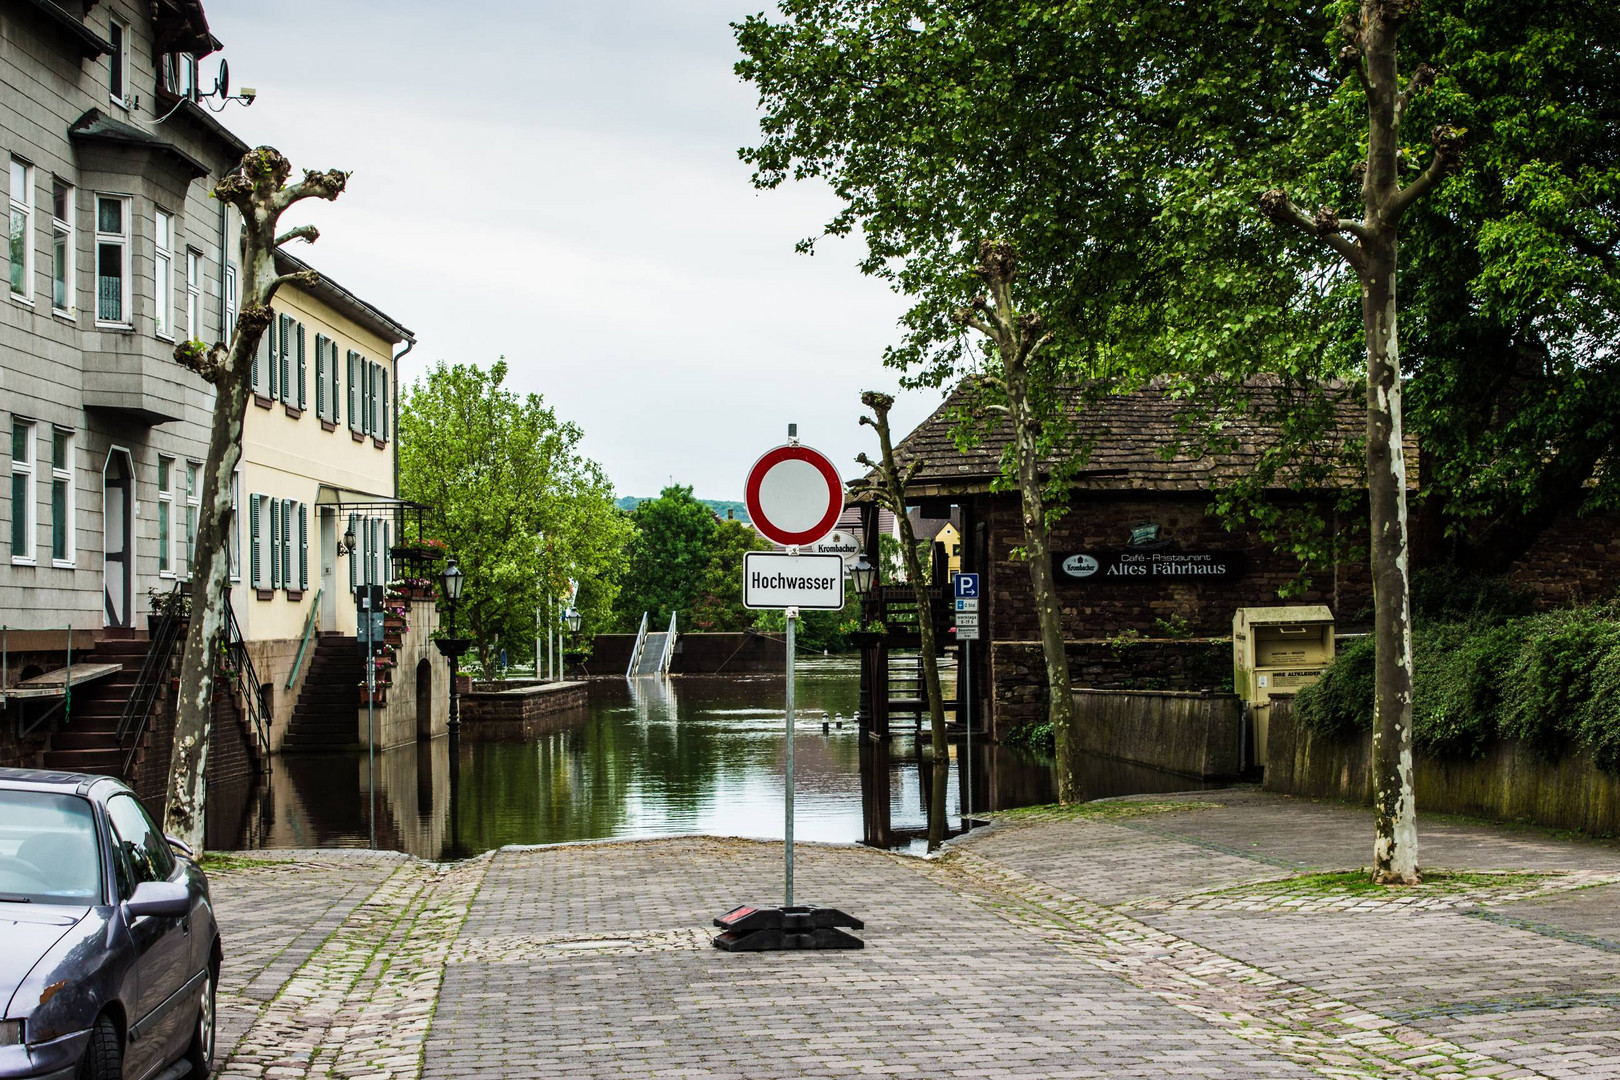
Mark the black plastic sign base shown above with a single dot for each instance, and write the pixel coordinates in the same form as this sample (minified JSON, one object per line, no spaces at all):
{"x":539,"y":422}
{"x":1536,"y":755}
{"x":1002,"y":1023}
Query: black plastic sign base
{"x":774,"y":929}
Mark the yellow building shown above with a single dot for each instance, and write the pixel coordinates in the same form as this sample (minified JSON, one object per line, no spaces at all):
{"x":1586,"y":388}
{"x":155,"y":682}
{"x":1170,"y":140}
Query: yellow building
{"x":319,"y":461}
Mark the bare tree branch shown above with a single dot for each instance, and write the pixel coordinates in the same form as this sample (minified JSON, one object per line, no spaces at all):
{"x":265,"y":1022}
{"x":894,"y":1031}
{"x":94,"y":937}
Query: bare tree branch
{"x":1277,"y":206}
{"x":326,"y":185}
{"x":301,"y":277}
{"x":307,"y":233}
{"x":207,"y":361}
{"x":1447,"y":154}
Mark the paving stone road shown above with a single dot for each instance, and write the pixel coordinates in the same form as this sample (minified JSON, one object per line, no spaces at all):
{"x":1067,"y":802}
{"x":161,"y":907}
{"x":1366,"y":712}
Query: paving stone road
{"x":1172,"y":936}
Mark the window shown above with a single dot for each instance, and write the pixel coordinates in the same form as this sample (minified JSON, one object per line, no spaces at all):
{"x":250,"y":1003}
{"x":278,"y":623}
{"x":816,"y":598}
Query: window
{"x":275,"y":543}
{"x":234,"y":543}
{"x":299,"y":400}
{"x":165,"y":516}
{"x":118,"y":64}
{"x":180,"y":75}
{"x":163,"y":275}
{"x":62,"y":246}
{"x":320,"y":376}
{"x":22,"y":491}
{"x":255,"y":541}
{"x":303,"y":546}
{"x":264,"y":361}
{"x":354,"y":391}
{"x":288,"y":510}
{"x":337,"y":382}
{"x":142,"y":852}
{"x":194,"y":328}
{"x":22,"y":230}
{"x":230,"y":304}
{"x":63,"y":497}
{"x":188,"y":553}
{"x":284,"y":373}
{"x":112,"y":259}
{"x":382,"y":402}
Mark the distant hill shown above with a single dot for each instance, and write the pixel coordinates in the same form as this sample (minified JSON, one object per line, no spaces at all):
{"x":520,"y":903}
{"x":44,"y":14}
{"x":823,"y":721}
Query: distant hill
{"x":738,"y":510}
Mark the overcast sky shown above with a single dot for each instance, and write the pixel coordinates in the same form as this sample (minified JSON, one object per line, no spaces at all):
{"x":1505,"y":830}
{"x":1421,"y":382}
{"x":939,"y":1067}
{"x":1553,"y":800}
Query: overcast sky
{"x":559,"y":182}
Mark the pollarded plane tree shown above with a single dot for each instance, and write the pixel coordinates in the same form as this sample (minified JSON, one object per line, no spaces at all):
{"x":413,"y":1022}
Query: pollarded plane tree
{"x":258,"y":190}
{"x":890,"y":491}
{"x":1369,"y":245}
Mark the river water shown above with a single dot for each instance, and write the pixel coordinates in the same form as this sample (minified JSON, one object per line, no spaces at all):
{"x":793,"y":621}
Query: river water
{"x":650,"y":758}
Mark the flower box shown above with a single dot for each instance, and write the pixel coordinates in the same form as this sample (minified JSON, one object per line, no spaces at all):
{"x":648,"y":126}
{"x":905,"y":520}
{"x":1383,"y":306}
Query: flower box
{"x":377,"y":695}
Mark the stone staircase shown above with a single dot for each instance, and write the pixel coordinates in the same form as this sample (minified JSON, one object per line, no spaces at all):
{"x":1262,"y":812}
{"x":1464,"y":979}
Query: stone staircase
{"x":88,"y":742}
{"x":327,"y":714}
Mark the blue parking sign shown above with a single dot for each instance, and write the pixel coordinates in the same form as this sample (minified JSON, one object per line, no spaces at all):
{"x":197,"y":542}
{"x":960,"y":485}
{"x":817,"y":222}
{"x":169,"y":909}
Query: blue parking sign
{"x":967,"y":586}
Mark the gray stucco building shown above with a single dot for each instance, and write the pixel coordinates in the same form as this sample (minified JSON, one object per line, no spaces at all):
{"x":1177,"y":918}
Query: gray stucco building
{"x":116,"y":251}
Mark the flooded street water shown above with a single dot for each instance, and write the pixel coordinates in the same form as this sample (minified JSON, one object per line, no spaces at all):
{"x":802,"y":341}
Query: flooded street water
{"x":655,"y":758}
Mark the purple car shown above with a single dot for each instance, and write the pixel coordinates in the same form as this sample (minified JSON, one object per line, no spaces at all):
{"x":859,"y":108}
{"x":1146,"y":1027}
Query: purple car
{"x":109,"y":954}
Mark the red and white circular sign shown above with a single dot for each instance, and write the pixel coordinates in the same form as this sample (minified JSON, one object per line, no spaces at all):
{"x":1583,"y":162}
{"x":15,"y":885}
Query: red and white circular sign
{"x":794,"y":495}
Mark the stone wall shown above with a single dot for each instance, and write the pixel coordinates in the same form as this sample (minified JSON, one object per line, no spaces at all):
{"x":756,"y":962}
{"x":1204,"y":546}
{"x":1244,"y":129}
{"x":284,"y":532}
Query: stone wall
{"x":230,"y":750}
{"x":1575,"y":561}
{"x":509,"y":711}
{"x":610,"y":654}
{"x":1018,"y":672}
{"x":1510,"y":782}
{"x":1196,"y":735}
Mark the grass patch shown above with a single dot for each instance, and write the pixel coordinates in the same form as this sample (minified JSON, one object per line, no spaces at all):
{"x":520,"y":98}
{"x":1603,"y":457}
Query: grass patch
{"x":1108,"y":810}
{"x":213,"y":861}
{"x":1360,"y":883}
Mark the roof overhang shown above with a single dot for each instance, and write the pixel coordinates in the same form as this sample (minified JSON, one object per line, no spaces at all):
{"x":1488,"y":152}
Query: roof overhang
{"x":91,"y":44}
{"x":96,"y":126}
{"x":182,"y":26}
{"x":367,"y":315}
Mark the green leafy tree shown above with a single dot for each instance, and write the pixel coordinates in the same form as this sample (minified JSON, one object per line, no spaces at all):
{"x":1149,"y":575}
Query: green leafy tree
{"x":669,"y":559}
{"x":521,"y":509}
{"x":718,"y":606}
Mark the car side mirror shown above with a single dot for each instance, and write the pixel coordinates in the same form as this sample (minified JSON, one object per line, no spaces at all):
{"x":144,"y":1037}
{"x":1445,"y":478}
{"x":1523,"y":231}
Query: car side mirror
{"x":170,"y":899}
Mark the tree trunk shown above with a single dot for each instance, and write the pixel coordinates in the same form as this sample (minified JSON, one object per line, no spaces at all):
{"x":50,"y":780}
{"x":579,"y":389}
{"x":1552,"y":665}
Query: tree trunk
{"x":895,"y":490}
{"x":1049,"y":616}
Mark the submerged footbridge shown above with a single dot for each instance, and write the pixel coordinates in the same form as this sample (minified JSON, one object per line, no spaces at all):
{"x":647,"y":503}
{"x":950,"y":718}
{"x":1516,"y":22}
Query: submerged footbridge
{"x":653,"y":652}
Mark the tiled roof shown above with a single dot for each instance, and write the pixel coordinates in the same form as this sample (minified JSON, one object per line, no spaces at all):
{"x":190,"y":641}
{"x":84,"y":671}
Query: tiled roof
{"x":1130,"y":435}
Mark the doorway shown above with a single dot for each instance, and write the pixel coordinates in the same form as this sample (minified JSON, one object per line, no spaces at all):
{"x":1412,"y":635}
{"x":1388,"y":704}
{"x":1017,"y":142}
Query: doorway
{"x":328,"y":542}
{"x":117,"y":544}
{"x":424,"y":699}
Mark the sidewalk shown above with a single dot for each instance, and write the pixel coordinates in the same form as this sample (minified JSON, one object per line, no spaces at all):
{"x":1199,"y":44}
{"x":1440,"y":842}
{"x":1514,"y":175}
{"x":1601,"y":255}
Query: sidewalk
{"x":1151,"y":938}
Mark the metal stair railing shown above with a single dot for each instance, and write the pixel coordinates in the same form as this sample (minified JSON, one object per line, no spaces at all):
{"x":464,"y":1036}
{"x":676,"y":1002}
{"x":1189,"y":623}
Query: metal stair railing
{"x":669,"y":647}
{"x":246,"y":678}
{"x":154,"y":672}
{"x":303,"y":642}
{"x":635,"y":652}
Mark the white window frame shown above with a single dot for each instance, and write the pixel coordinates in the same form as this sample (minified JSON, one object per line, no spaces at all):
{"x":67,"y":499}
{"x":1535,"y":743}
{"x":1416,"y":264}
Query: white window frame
{"x":180,"y":75}
{"x":163,"y":274}
{"x":26,"y":467}
{"x":193,"y":294}
{"x":119,"y":240}
{"x":230,"y":303}
{"x":118,"y":62}
{"x":65,"y":475}
{"x":62,"y":237}
{"x":234,"y":550}
{"x":165,"y":516}
{"x":188,"y":536}
{"x":22,"y":203}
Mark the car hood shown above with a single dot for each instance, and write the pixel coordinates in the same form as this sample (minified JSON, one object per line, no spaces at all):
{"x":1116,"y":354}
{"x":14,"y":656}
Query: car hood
{"x":27,"y":933}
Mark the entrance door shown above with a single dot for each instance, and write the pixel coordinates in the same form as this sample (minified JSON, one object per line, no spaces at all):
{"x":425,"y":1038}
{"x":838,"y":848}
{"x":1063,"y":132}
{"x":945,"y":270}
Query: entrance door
{"x":118,"y":542}
{"x":328,"y":570}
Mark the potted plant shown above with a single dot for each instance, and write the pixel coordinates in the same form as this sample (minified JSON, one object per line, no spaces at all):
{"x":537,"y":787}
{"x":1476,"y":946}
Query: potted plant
{"x":374,"y":695}
{"x":176,"y":602}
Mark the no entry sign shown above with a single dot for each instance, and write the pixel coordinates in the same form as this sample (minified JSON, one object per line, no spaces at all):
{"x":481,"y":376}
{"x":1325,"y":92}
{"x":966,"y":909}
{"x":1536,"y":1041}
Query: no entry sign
{"x":794,"y":495}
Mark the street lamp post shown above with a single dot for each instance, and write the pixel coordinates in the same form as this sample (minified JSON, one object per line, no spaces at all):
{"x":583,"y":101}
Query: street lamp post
{"x":862,"y":576}
{"x":452,"y":648}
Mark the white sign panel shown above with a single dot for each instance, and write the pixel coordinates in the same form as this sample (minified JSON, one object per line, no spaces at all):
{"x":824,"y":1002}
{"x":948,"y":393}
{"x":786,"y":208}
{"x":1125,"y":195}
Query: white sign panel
{"x":967,"y":605}
{"x":967,"y":619}
{"x":838,"y":543}
{"x":774,"y":580}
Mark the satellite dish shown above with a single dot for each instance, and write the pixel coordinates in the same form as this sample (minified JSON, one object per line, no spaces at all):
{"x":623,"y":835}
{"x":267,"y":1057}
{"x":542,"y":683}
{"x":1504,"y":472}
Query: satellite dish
{"x":222,"y":81}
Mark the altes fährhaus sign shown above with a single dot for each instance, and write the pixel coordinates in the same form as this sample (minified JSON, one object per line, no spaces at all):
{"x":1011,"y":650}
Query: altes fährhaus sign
{"x":1138,"y":566}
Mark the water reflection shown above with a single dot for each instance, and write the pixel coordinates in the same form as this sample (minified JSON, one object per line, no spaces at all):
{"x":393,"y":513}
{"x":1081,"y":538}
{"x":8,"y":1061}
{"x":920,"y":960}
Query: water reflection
{"x":655,"y":757}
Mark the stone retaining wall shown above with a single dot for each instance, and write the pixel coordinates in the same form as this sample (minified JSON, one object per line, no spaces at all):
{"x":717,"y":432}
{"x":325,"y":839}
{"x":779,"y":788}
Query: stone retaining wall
{"x":1018,"y":671}
{"x":1510,"y":782}
{"x":1188,"y":733}
{"x":518,"y":705}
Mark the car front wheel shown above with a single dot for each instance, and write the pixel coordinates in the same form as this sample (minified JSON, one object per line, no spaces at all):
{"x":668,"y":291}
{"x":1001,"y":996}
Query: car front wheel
{"x":201,"y":1051}
{"x":103,"y":1056}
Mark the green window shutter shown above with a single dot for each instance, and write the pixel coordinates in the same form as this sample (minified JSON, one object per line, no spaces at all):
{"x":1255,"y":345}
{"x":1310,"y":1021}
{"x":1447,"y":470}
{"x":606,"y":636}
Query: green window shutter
{"x":382,"y":372}
{"x":354,"y":391}
{"x":388,"y":552}
{"x":275,"y":543}
{"x":272,"y":365}
{"x":286,"y":544}
{"x":284,"y":341}
{"x":354,"y":556}
{"x":320,"y":376}
{"x":337,"y":388}
{"x":302,"y":380}
{"x":303,"y":545}
{"x":258,"y":364}
{"x":253,"y":540}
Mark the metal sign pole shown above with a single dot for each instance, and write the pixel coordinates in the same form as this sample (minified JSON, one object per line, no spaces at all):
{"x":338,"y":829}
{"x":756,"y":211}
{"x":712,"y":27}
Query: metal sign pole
{"x":967,"y":719}
{"x":371,"y":696}
{"x":792,"y":618}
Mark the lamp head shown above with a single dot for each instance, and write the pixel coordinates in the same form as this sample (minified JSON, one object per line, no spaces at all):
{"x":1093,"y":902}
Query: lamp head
{"x":348,"y":539}
{"x":572,"y":619}
{"x":453,"y":578}
{"x":863,"y":576}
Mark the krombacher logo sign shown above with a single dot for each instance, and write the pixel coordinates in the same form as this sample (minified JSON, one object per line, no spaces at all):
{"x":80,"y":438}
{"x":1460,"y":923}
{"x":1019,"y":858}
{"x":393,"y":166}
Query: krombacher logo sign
{"x":1148,"y":567}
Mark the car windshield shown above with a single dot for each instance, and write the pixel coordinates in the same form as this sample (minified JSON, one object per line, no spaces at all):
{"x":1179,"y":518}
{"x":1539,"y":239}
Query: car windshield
{"x":48,"y":852}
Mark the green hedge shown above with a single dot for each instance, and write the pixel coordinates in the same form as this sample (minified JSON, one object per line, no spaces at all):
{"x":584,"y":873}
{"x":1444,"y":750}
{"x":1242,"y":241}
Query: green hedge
{"x":1552,"y":680}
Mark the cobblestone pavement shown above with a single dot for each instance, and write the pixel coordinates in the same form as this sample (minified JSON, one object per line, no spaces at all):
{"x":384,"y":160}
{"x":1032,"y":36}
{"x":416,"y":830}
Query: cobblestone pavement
{"x":1181,"y":936}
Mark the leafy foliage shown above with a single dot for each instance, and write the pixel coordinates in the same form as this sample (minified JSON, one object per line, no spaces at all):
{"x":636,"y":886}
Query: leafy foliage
{"x":521,"y":509}
{"x":1551,"y":679}
{"x":718,"y":604}
{"x":669,"y":560}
